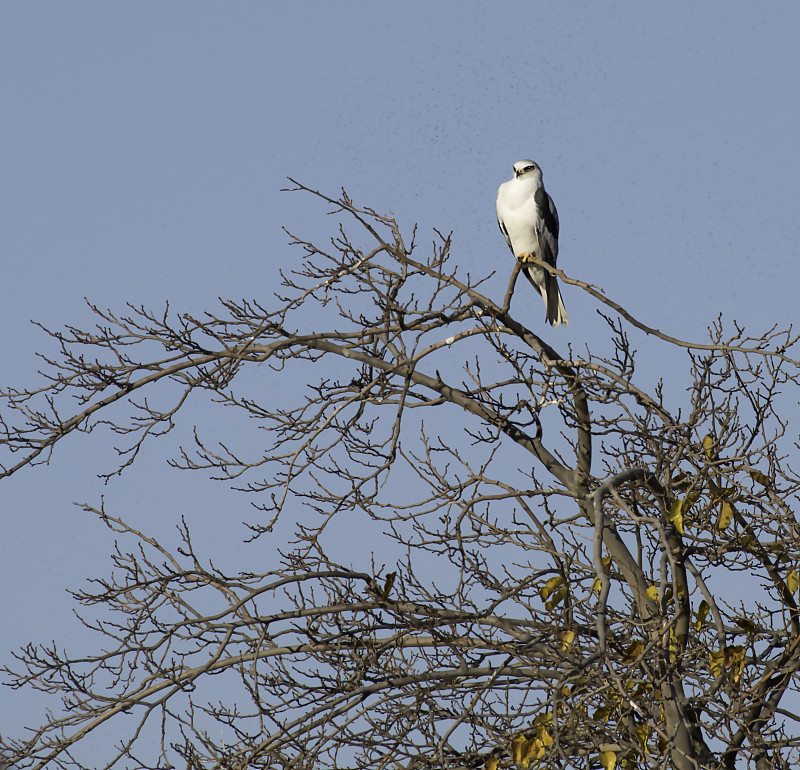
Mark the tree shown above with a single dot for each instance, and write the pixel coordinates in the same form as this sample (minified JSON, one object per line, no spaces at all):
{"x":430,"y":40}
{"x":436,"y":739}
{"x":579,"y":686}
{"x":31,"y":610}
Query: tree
{"x":564,"y":542}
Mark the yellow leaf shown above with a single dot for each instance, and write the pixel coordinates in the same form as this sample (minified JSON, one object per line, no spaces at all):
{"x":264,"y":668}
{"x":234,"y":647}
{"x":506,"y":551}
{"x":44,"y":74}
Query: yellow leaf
{"x":760,"y":478}
{"x":633,"y":651}
{"x":604,"y":712}
{"x":717,"y":660}
{"x":550,"y":586}
{"x":652,"y":592}
{"x":676,"y":641}
{"x":673,"y":644}
{"x":533,"y":750}
{"x":387,"y":586}
{"x":516,"y":748}
{"x":567,"y":637}
{"x":734,"y":661}
{"x":792,"y":581}
{"x":642,"y":736}
{"x":725,"y":515}
{"x":676,"y":516}
{"x":642,"y":689}
{"x":608,"y":759}
{"x":577,"y":684}
{"x":544,"y":736}
{"x":598,"y":585}
{"x":556,"y":598}
{"x":690,"y":500}
{"x":708,"y":445}
{"x":492,"y":763}
{"x":702,"y":612}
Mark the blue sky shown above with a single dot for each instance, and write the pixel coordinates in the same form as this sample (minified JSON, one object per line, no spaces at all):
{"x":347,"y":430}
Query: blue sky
{"x":145,"y":146}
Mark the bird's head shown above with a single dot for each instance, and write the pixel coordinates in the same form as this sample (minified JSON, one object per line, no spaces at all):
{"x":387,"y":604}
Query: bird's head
{"x":522,"y":167}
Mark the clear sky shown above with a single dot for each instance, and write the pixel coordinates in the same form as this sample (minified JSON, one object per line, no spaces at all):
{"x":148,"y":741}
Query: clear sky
{"x":144,"y":145}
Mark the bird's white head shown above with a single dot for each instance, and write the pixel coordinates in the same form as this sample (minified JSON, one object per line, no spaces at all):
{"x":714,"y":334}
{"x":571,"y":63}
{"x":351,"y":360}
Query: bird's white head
{"x":522,"y":167}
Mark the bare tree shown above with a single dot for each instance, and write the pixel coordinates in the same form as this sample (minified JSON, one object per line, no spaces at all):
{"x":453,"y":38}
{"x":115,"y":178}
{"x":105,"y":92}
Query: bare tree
{"x":563,"y":541}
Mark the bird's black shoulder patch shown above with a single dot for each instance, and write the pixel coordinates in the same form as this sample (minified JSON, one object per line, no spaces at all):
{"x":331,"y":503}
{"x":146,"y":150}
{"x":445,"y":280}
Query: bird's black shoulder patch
{"x":545,"y":204}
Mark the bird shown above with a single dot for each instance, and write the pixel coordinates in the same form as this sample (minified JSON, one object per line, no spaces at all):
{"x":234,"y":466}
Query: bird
{"x":529,"y":221}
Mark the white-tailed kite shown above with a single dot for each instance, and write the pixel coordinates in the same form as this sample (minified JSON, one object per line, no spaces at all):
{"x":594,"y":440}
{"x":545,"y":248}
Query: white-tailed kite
{"x":528,"y":219}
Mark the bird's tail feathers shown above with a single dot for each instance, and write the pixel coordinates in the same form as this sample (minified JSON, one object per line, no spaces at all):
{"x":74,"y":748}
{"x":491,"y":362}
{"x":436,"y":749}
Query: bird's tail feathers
{"x":547,"y":286}
{"x":556,"y":312}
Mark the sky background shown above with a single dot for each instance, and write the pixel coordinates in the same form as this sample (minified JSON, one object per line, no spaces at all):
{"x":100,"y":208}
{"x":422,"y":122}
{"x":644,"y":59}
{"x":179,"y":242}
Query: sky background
{"x":144,"y":147}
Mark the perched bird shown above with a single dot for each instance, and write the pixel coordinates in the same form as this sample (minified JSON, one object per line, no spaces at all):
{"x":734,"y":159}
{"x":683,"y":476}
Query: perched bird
{"x":529,"y":221}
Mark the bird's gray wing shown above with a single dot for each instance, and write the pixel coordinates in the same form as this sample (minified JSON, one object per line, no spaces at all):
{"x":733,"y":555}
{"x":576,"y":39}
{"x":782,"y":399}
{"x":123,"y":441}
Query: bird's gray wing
{"x":549,"y":235}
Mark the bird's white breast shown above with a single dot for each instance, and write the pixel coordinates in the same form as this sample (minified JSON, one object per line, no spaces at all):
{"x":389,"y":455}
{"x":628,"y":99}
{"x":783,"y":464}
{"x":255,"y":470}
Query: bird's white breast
{"x":517,"y":209}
